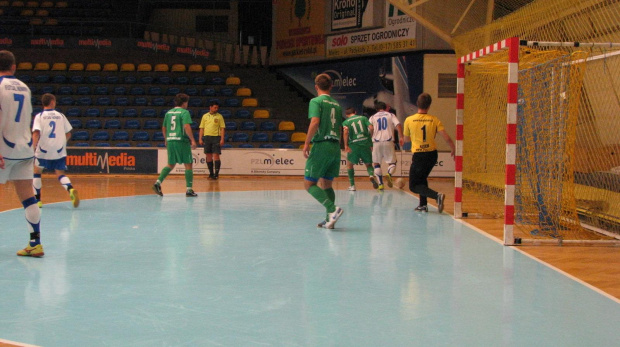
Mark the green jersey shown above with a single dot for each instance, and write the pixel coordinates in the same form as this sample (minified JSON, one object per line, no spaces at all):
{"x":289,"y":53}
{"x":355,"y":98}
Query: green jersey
{"x":358,"y":130}
{"x":174,"y":122}
{"x":330,"y":113}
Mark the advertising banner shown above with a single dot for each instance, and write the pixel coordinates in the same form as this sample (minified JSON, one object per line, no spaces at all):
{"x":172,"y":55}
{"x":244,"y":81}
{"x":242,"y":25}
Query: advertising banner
{"x":112,"y":161}
{"x":352,"y":14}
{"x":299,"y":30}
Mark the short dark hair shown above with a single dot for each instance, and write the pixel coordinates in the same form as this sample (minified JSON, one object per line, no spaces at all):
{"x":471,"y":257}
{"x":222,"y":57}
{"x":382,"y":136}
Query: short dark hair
{"x":424,"y":101}
{"x":7,"y":60}
{"x":350,"y":110}
{"x":380,"y":106}
{"x":46,"y":99}
{"x":214,"y":103}
{"x":323,"y":81}
{"x":180,"y":99}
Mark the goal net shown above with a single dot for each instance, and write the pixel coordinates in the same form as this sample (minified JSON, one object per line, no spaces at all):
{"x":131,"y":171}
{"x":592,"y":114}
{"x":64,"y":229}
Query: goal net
{"x":525,"y":116}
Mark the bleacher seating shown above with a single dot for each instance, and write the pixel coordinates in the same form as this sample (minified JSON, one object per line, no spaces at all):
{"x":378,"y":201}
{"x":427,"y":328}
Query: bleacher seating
{"x":101,"y":135}
{"x":120,"y":135}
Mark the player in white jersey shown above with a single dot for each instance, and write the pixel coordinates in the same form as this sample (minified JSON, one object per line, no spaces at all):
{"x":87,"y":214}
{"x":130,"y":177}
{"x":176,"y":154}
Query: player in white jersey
{"x":16,"y":154}
{"x":50,"y":132}
{"x":384,"y":123}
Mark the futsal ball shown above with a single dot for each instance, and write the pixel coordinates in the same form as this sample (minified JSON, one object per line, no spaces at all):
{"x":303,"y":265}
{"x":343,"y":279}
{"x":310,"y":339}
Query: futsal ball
{"x":400,"y":183}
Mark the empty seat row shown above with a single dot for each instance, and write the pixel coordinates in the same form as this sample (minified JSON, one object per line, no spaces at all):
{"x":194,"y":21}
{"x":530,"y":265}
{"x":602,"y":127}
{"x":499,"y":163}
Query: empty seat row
{"x":138,"y":101}
{"x":130,"y":79}
{"x":154,"y":90}
{"x":114,"y":124}
{"x":124,"y":67}
{"x":74,"y":112}
{"x":118,"y":135}
{"x":241,"y":136}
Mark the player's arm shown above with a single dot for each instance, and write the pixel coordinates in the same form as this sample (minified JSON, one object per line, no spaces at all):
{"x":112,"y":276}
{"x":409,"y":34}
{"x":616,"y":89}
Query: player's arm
{"x":222,"y":136}
{"x":448,"y":140}
{"x":201,"y":132}
{"x":312,"y":129}
{"x":36,"y":135}
{"x":401,"y":137}
{"x":188,"y":132}
{"x":67,"y":136}
{"x":163,"y":130}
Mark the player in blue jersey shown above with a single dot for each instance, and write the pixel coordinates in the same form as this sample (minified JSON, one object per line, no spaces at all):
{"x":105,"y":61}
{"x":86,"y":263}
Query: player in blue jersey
{"x":16,"y":154}
{"x":50,"y":132}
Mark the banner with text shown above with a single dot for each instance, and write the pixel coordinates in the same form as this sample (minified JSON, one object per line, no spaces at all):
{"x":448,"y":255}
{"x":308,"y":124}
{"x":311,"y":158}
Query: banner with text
{"x":112,"y":161}
{"x":299,"y":30}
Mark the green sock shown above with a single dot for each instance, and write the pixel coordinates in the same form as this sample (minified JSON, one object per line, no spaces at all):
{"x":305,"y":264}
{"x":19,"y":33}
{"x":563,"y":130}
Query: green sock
{"x":189,"y":178}
{"x":164,"y":172}
{"x":331,"y":194}
{"x":370,"y":170}
{"x":323,"y":198}
{"x":351,"y":174}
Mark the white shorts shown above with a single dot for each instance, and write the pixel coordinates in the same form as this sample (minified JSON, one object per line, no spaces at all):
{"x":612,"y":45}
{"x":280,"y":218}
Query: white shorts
{"x":383,"y":151}
{"x":15,"y":170}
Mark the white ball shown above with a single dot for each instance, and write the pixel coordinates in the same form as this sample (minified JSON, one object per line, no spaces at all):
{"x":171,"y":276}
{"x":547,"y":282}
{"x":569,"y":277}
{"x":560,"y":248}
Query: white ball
{"x":400,"y":183}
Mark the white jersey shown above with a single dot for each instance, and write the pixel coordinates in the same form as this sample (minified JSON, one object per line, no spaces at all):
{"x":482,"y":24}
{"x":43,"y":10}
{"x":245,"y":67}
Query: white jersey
{"x":53,"y":127}
{"x":384,"y":124}
{"x":15,"y":117}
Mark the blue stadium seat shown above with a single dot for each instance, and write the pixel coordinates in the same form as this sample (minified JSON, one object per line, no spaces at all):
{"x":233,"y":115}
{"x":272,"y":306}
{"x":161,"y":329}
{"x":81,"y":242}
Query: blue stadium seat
{"x":208,"y":92}
{"x":140,"y":101}
{"x":101,"y":135}
{"x":213,"y":100}
{"x":35,"y":101}
{"x":112,"y":79}
{"x":158,"y":136}
{"x":145,"y":80}
{"x":130,"y":112}
{"x":75,"y":123}
{"x":104,"y":101}
{"x":65,"y":101}
{"x":260,"y":137}
{"x":101,"y":90}
{"x":195,"y":102}
{"x":36,"y":110}
{"x":144,"y":144}
{"x":93,"y":124}
{"x":120,"y":90}
{"x":83,"y":90}
{"x":242,"y":114}
{"x":279,"y":137}
{"x":41,"y":79}
{"x":84,"y":101}
{"x":199,"y":80}
{"x":181,"y":80}
{"x":110,"y":112}
{"x":120,"y":135}
{"x":287,"y":146}
{"x":140,"y":136}
{"x":93,"y":79}
{"x":246,"y":145}
{"x":163,"y":80}
{"x":77,"y":79}
{"x":232,"y":102}
{"x":217,"y":81}
{"x":227,"y":91}
{"x":148,"y":113}
{"x":130,"y":80}
{"x":194,"y":125}
{"x":112,"y":124}
{"x":81,"y":135}
{"x":225,"y":113}
{"x":230,"y":125}
{"x":132,"y":124}
{"x":92,"y":112}
{"x":158,"y":101}
{"x":136,"y":91}
{"x":240,"y":137}
{"x":154,"y":91}
{"x":268,"y":126}
{"x":173,"y":91}
{"x":24,"y":78}
{"x":47,"y":89}
{"x":191,"y":91}
{"x":59,"y":79}
{"x":81,"y":144}
{"x":248,"y":125}
{"x":122,"y":144}
{"x":265,"y":145}
{"x":73,"y":112}
{"x":227,"y":145}
{"x":102,"y":144}
{"x":65,"y":90}
{"x":151,"y":124}
{"x":121,"y":101}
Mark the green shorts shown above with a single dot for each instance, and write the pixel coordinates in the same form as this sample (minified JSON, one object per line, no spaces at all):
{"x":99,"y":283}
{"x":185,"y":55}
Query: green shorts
{"x":323,"y":161}
{"x":179,"y":152}
{"x":360,"y":152}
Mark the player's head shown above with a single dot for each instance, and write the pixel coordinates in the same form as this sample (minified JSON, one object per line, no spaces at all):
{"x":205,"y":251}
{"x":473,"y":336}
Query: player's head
{"x":214,"y":106}
{"x":424,"y":101}
{"x":7,"y":62}
{"x":181,"y":99}
{"x":47,"y":99}
{"x":380,"y":106}
{"x":323,"y":82}
{"x":350,"y":111}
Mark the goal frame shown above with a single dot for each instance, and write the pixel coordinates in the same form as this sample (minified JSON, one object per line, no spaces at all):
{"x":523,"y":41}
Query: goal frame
{"x":512,"y":45}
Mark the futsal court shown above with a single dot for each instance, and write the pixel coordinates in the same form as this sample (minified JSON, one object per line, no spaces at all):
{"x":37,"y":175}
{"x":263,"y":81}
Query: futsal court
{"x":247,"y":266}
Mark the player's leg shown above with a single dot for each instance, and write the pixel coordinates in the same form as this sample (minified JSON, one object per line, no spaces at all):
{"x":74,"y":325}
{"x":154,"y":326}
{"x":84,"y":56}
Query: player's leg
{"x":21,"y":174}
{"x":60,"y":166}
{"x":351,"y":158}
{"x":421,"y":166}
{"x":173,"y":158}
{"x":37,"y":184}
{"x":209,"y":155}
{"x":216,"y":161}
{"x":390,"y":158}
{"x":377,"y":156}
{"x":366,"y":155}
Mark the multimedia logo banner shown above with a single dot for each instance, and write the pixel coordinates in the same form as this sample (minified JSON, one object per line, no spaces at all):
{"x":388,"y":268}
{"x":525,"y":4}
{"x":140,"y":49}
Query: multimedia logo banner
{"x":95,"y":160}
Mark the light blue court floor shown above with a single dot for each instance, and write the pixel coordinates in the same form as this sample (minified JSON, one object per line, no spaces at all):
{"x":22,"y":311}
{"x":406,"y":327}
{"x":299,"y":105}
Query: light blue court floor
{"x":252,"y":269}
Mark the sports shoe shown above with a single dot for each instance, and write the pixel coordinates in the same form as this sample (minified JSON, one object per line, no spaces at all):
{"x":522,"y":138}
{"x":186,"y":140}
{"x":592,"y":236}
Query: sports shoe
{"x":321,"y":224}
{"x":332,"y":218}
{"x":212,"y":177}
{"x":75,"y":199}
{"x":32,"y":251}
{"x":190,"y":192}
{"x":440,"y":198}
{"x":390,"y":183}
{"x":421,"y":208}
{"x":374,"y":182}
{"x":380,"y":187}
{"x":352,"y":188}
{"x":157,"y":189}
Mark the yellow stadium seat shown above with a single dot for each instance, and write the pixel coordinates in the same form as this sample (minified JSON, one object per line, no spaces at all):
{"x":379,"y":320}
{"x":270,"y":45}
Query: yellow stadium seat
{"x":249,"y":102}
{"x":59,"y":67}
{"x":93,"y":67}
{"x":161,"y":67}
{"x":244,"y":92}
{"x":298,"y":137}
{"x":195,"y":68}
{"x":128,"y":67}
{"x":42,"y":13}
{"x":32,"y":4}
{"x":17,"y":4}
{"x":233,"y":81}
{"x":62,"y":4}
{"x":36,"y":21}
{"x":47,"y":4}
{"x":24,"y":66}
{"x":286,"y":125}
{"x":178,"y":68}
{"x":261,"y":114}
{"x":51,"y":21}
{"x":41,"y":66}
{"x":212,"y":68}
{"x":27,"y":13}
{"x":145,"y":67}
{"x":110,"y":67}
{"x":4,"y":3}
{"x":76,"y":67}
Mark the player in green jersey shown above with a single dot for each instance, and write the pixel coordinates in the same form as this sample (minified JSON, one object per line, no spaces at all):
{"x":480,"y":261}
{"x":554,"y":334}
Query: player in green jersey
{"x":358,"y":145}
{"x":179,"y":142}
{"x":323,"y":164}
